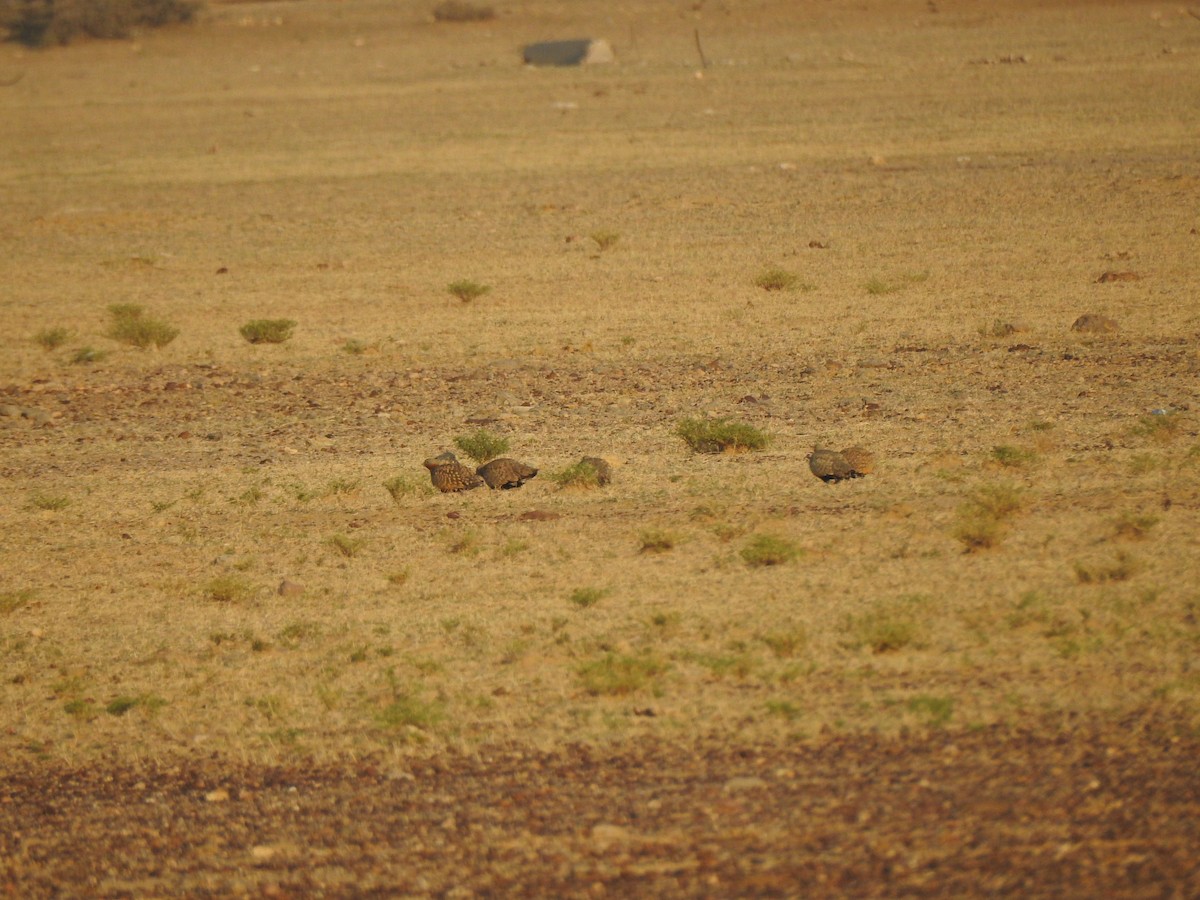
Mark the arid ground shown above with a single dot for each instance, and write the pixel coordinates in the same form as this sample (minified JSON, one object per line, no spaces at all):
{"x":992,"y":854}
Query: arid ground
{"x":972,"y":671}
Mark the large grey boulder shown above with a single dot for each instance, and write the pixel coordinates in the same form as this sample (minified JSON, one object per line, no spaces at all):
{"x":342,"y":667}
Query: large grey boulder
{"x":580,"y":52}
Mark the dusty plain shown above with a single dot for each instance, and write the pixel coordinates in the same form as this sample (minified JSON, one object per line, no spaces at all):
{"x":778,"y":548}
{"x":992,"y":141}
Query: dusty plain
{"x":570,"y":691}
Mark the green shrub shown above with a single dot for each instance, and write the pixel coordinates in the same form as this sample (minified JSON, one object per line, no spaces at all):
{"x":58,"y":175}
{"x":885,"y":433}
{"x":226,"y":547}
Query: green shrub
{"x":51,"y":338}
{"x":617,"y":674}
{"x":580,"y":475}
{"x":267,"y":331}
{"x":768,"y":550}
{"x":481,"y":445}
{"x":587,"y":596}
{"x":130,"y":325}
{"x":656,"y":540}
{"x":467,"y":290}
{"x":776,"y":279}
{"x":38,"y":23}
{"x":227,"y":589}
{"x":721,"y":436}
{"x":885,"y":628}
{"x":983,"y":519}
{"x":1013,"y":457}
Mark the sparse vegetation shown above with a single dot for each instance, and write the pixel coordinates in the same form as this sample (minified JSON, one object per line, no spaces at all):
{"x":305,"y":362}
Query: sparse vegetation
{"x":784,"y":709}
{"x":878,"y":286}
{"x":1159,"y":427}
{"x":120,"y":705}
{"x":345,"y":545}
{"x":52,"y":338}
{"x":11,"y":601}
{"x":936,"y":710}
{"x":80,"y":708}
{"x":721,"y":436}
{"x":400,"y":486}
{"x":481,"y":445}
{"x":227,"y":589}
{"x":581,"y":475}
{"x":40,"y":23}
{"x":267,"y":331}
{"x":605,"y":240}
{"x":617,"y":674}
{"x":407,"y":709}
{"x":467,"y":290}
{"x":656,"y":540}
{"x":1122,"y":568}
{"x":464,"y":544}
{"x":1013,"y":457}
{"x":49,"y":502}
{"x":769,"y":550}
{"x":886,"y":626}
{"x":587,"y":596}
{"x":130,"y":325}
{"x":983,"y":519}
{"x":1133,"y":527}
{"x":776,"y":279}
{"x":87,"y":355}
{"x":786,"y":643}
{"x":355,"y":347}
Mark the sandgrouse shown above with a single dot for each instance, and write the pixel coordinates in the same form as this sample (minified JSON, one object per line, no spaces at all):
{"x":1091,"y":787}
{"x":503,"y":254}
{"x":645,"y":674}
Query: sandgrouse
{"x":505,"y":473}
{"x":830,"y":466}
{"x":861,"y":460}
{"x":448,"y":474}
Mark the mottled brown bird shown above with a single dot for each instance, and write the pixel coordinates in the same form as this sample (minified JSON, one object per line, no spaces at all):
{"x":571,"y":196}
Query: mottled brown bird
{"x":829,"y":465}
{"x":505,"y":473}
{"x":861,"y":460}
{"x":602,"y":468}
{"x":448,"y":474}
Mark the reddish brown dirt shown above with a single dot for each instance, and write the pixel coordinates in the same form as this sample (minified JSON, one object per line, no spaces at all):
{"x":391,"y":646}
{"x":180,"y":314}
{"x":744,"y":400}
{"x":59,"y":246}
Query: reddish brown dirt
{"x":1073,"y":811}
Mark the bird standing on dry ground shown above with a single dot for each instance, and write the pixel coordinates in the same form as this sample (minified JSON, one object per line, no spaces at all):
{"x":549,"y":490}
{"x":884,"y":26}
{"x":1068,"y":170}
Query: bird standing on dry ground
{"x":831,"y":466}
{"x":861,"y":460}
{"x":448,"y":474}
{"x":505,"y":473}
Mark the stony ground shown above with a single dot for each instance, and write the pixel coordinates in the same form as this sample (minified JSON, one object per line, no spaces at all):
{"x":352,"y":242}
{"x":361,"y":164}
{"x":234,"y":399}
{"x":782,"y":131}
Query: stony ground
{"x":1061,"y":810}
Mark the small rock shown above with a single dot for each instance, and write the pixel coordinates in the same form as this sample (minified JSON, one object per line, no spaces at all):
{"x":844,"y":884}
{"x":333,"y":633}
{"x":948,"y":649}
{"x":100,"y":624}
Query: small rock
{"x":262,"y":852}
{"x":8,"y":410}
{"x":568,"y":53}
{"x":289,"y":589}
{"x":1093,"y":323}
{"x":220,"y":795}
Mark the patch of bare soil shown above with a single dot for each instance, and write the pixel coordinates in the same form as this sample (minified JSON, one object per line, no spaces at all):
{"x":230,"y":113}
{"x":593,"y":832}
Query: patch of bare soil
{"x":1085,"y":810}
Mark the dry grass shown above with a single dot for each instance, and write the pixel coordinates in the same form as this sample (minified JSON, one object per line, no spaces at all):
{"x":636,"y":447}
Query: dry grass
{"x":202,"y":475}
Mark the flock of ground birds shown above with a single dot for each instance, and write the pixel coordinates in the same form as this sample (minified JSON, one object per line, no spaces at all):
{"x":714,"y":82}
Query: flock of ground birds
{"x":449,"y":475}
